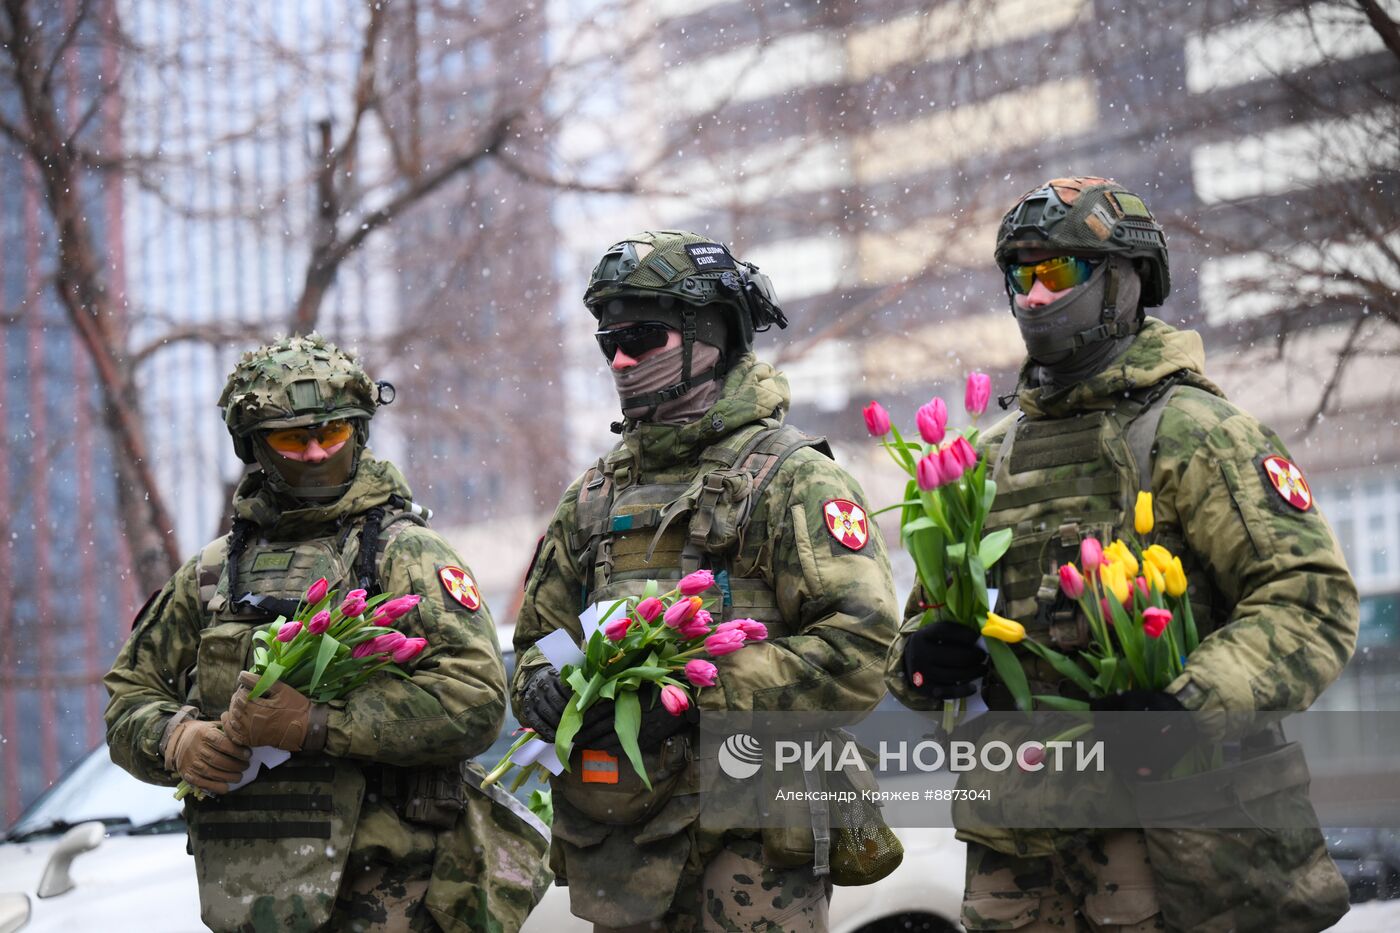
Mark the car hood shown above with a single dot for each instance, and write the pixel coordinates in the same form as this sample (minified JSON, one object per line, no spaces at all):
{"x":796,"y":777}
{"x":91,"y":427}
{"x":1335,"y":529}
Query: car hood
{"x":135,"y":883}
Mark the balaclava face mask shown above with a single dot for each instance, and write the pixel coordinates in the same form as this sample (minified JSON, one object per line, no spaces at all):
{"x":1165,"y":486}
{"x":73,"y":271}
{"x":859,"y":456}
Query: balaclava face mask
{"x":1048,"y":332}
{"x":311,"y":483}
{"x":662,"y":370}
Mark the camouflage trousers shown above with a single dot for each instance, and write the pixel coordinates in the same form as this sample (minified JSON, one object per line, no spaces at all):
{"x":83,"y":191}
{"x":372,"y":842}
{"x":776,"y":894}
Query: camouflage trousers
{"x":739,"y":894}
{"x":384,"y":888}
{"x":1104,"y":885}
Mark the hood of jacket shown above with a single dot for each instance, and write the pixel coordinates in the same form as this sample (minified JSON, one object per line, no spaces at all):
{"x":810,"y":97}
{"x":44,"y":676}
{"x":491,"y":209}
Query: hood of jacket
{"x":753,"y":390}
{"x":1159,"y":351}
{"x":375,"y":481}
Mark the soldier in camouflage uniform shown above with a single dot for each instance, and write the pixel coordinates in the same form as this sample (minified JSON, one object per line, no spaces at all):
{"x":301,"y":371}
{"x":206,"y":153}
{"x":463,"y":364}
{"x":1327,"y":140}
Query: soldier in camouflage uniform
{"x":375,"y":822}
{"x":1112,"y":402}
{"x":706,"y":476}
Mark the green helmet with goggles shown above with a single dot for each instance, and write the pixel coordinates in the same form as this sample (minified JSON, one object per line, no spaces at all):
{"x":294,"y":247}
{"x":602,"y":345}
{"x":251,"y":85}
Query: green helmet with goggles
{"x":689,"y":283}
{"x":300,"y":385}
{"x":1088,"y":217}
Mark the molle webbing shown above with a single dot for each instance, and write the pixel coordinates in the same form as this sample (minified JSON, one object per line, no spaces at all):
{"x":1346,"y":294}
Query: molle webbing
{"x":303,"y":790}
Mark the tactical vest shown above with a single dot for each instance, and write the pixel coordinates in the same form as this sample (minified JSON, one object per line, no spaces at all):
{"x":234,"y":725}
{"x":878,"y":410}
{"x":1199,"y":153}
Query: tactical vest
{"x":631,"y":529}
{"x":1060,"y":480}
{"x":275,"y":850}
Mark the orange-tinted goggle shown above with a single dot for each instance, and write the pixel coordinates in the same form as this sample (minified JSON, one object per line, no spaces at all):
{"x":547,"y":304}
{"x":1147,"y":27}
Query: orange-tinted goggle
{"x":1056,"y":274}
{"x":296,"y":440}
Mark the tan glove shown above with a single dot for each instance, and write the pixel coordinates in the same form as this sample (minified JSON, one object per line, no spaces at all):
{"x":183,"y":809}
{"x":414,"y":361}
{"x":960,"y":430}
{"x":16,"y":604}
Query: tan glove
{"x":201,"y":754}
{"x":281,"y":717}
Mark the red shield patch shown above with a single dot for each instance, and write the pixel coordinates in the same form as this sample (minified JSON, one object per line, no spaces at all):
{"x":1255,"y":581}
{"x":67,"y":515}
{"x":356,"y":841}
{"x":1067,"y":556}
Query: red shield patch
{"x":847,"y":523}
{"x":1288,"y":482}
{"x":460,"y":586}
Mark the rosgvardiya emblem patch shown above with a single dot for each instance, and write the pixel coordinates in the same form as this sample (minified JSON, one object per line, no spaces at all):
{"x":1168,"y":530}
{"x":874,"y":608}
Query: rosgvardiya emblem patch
{"x":1288,"y":482}
{"x":847,"y":523}
{"x":460,"y":586}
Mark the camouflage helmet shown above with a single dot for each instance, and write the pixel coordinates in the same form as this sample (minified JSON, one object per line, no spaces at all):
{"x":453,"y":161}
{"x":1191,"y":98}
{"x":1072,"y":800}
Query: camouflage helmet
{"x":1085,"y":216}
{"x":295,"y":382}
{"x":684,"y":275}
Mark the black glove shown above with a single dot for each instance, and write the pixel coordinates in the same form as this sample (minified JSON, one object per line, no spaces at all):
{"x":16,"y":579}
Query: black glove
{"x":1144,"y":748}
{"x":656,"y":727}
{"x":543,"y":702}
{"x":942,"y":660}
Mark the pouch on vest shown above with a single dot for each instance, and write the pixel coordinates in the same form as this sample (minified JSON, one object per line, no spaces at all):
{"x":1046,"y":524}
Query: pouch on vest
{"x":1246,"y":880}
{"x":249,"y":846}
{"x":495,"y":879}
{"x":620,"y":798}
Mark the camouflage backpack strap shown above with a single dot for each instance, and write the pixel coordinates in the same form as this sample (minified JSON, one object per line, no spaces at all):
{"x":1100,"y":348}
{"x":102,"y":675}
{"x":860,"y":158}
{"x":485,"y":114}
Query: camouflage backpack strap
{"x":380,"y":527}
{"x":1141,"y":432}
{"x":588,"y":537}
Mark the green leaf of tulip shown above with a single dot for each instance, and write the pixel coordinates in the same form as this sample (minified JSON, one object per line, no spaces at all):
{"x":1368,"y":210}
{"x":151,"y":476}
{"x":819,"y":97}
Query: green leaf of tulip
{"x":270,"y":676}
{"x":328,"y":647}
{"x":956,"y":553}
{"x":568,"y":728}
{"x":1065,"y":667}
{"x":1011,"y":672}
{"x":627,"y":723}
{"x":1060,"y":703}
{"x":994,"y":546}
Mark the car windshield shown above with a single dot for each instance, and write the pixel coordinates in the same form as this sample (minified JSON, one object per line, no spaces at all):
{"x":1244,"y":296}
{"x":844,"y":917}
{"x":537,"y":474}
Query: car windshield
{"x":99,"y":790}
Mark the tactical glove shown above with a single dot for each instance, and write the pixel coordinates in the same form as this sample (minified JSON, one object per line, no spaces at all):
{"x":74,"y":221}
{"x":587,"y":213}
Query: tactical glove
{"x":1147,"y":748}
{"x":543,"y":701}
{"x":656,"y":727}
{"x":942,"y":660}
{"x":281,"y":717}
{"x":201,"y":754}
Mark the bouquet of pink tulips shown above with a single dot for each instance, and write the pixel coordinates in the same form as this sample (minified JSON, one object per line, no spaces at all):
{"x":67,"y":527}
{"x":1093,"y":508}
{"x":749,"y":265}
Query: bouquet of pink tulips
{"x":656,"y":639}
{"x":327,"y":651}
{"x":945,"y":507}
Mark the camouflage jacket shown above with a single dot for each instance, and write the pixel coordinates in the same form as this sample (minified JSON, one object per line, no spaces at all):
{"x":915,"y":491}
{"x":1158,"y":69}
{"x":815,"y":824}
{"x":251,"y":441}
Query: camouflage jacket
{"x":840,"y":601}
{"x":1288,"y":609}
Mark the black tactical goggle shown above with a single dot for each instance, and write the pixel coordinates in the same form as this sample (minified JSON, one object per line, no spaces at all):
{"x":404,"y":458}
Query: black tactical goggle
{"x":634,"y":339}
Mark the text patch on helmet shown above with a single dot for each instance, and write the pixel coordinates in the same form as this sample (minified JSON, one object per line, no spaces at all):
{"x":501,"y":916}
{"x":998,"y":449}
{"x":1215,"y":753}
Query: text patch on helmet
{"x":707,"y":256}
{"x":460,"y":586}
{"x":847,"y":523}
{"x":1288,"y":482}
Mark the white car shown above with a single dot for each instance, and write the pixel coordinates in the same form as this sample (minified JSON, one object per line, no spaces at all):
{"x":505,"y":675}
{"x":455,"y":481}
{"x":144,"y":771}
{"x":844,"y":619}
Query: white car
{"x":104,"y":851}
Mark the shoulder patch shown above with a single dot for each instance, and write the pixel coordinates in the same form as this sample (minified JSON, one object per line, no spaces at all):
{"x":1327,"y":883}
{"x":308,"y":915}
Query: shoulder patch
{"x":847,"y":523}
{"x":460,"y":586}
{"x":1287,"y":481}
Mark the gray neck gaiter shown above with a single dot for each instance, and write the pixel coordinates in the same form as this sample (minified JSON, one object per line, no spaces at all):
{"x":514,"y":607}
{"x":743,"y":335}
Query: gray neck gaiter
{"x":1049,"y":332}
{"x":663,"y":371}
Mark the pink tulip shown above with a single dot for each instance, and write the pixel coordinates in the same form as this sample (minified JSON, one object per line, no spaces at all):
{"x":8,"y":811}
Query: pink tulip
{"x":1155,"y":621}
{"x":363,"y":650}
{"x":977,"y":394}
{"x":1031,"y":756}
{"x":410,"y":649}
{"x":353,"y":606}
{"x":357,"y":594}
{"x":1143,"y":588}
{"x":966,"y":454}
{"x":1107,"y":612}
{"x":726,"y":642}
{"x":288,"y":631}
{"x":649,"y":608}
{"x":388,"y":642}
{"x":319,"y":622}
{"x":932,"y":420}
{"x":950,"y":464}
{"x":317,"y":591}
{"x":617,"y":628}
{"x":928,"y":474}
{"x":1071,"y":583}
{"x":402,"y":606}
{"x":1090,"y":554}
{"x":695,"y":627}
{"x":674,"y":699}
{"x":697,"y":582}
{"x":681,"y":610}
{"x":753,"y":630}
{"x":701,"y":672}
{"x":877,"y":420}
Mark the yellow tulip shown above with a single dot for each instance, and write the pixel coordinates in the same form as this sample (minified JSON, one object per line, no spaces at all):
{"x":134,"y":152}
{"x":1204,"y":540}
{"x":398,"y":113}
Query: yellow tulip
{"x":1115,"y":580}
{"x":1119,"y":553}
{"x":1142,"y":513}
{"x":1003,"y":629}
{"x":1155,"y":578}
{"x":1176,"y":578}
{"x":1158,"y":557}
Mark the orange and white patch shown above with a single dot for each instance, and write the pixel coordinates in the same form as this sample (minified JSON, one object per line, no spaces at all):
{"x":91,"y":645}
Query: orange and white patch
{"x":847,"y":523}
{"x":599,"y":767}
{"x":460,"y":586}
{"x":1288,"y":482}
